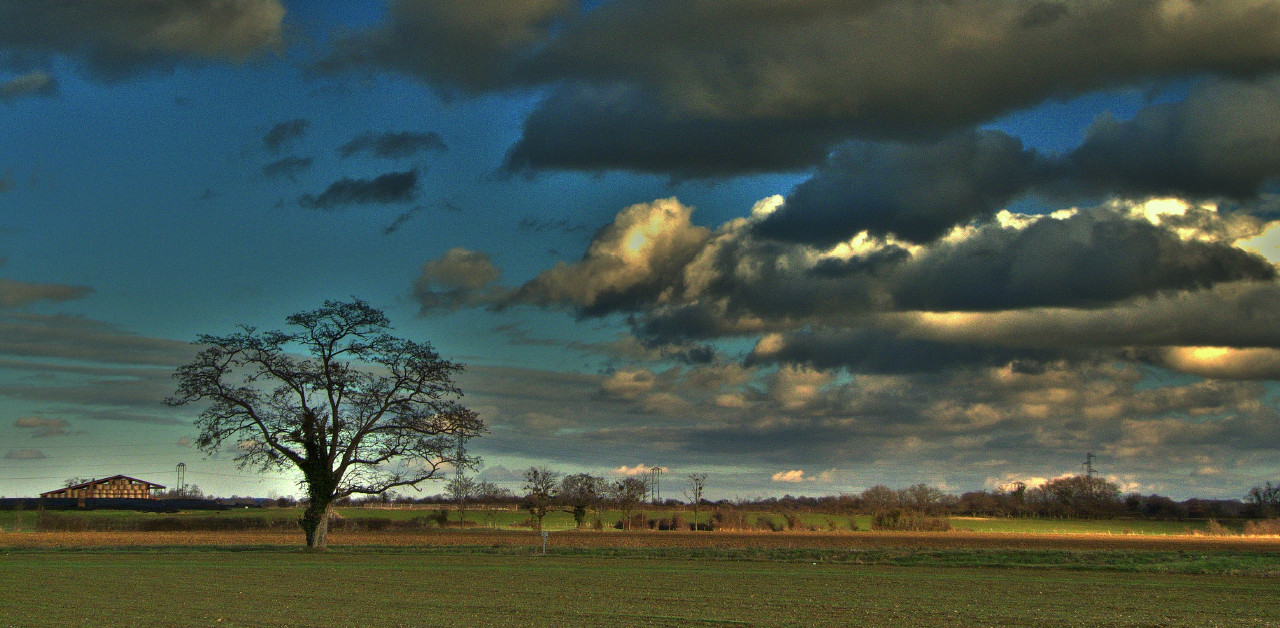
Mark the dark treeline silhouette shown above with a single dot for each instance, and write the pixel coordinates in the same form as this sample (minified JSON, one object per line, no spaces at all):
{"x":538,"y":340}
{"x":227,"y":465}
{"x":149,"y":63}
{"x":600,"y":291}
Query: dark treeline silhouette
{"x":584,"y":496}
{"x":1079,"y":496}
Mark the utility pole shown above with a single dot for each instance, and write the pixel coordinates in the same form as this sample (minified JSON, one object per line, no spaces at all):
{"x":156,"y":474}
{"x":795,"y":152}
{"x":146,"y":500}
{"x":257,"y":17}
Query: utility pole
{"x":462,"y":488}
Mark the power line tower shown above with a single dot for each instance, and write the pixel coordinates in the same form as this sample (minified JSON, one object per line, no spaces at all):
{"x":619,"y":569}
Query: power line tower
{"x":182,"y":479}
{"x":462,"y":450}
{"x":1089,"y":471}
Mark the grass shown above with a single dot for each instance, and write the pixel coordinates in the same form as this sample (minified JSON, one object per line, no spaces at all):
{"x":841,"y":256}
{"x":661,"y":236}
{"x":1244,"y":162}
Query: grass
{"x":385,"y":586}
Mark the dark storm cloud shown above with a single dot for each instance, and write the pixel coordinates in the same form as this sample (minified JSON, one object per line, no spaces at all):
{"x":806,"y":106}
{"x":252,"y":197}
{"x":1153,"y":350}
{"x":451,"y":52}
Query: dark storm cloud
{"x":288,"y":167}
{"x":284,"y":133}
{"x":1088,"y":260}
{"x":1106,"y":278}
{"x":393,"y":145}
{"x":915,"y":192}
{"x":117,"y":38}
{"x":393,"y":187}
{"x":1236,"y":314}
{"x":594,"y":128}
{"x":1223,"y":140}
{"x":471,"y":46}
{"x":871,"y":350}
{"x":28,"y":85}
{"x":745,"y":71}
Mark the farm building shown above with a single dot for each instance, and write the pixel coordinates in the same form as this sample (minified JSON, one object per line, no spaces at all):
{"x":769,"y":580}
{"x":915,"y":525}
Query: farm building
{"x":114,"y":487}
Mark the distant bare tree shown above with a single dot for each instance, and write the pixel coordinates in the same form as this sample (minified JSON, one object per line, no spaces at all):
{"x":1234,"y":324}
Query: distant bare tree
{"x":879,"y":498}
{"x":579,"y":493}
{"x":697,"y":484}
{"x":921,"y":497}
{"x":1265,"y":498}
{"x":540,"y":489}
{"x":460,"y":489}
{"x":490,"y":493}
{"x":628,"y":494}
{"x":337,"y":397}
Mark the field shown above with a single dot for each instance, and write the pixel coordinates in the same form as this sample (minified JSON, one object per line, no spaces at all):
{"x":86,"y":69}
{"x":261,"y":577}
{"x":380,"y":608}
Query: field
{"x":515,"y":519}
{"x":498,"y":576}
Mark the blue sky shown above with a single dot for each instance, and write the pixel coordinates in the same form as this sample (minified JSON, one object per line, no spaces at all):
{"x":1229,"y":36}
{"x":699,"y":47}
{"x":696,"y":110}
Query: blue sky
{"x":803,"y":247}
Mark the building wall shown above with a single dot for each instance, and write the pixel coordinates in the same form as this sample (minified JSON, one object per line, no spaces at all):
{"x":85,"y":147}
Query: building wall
{"x":115,"y":488}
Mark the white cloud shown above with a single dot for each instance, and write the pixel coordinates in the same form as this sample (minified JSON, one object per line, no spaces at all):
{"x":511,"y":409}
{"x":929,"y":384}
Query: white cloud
{"x":639,"y":469}
{"x":797,"y":476}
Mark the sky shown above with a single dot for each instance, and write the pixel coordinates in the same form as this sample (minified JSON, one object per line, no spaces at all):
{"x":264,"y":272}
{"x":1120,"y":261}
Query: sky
{"x":804,"y":247}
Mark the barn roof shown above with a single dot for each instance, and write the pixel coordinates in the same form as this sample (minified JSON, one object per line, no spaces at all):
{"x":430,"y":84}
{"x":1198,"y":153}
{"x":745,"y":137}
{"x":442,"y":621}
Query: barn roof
{"x":150,"y":485}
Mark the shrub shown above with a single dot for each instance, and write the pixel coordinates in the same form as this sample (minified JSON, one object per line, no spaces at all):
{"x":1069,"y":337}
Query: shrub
{"x":1265,"y":527}
{"x":765,"y":522}
{"x":903,"y":520}
{"x":440,"y":517}
{"x":676,"y":522}
{"x":728,"y":520}
{"x":1213,"y":528}
{"x":793,"y":521}
{"x":637,"y":522}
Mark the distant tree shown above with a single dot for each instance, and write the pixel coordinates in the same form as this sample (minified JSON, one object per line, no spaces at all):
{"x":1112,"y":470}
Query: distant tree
{"x":190,"y":491}
{"x":1154,"y":507}
{"x":628,"y":494}
{"x":70,"y":482}
{"x":580,"y":493}
{"x":460,"y":489}
{"x":489,"y":494}
{"x":922,"y":498}
{"x":353,"y":408}
{"x":1265,"y":499}
{"x":1077,"y":496}
{"x":879,"y":498}
{"x":697,"y":485}
{"x":540,"y":490}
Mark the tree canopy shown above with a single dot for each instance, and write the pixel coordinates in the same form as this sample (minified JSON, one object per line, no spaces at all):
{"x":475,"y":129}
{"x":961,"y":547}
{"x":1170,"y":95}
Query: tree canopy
{"x":336,"y":396}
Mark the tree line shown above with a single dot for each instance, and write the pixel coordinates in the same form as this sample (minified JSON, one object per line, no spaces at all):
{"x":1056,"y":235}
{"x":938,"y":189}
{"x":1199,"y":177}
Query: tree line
{"x":1078,"y":497}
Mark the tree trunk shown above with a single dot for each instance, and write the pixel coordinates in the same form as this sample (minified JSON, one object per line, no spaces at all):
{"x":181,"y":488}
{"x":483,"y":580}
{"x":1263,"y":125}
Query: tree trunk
{"x":315,"y":523}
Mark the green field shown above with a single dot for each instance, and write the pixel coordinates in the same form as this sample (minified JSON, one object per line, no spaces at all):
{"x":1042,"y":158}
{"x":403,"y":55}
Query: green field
{"x":373,"y":586}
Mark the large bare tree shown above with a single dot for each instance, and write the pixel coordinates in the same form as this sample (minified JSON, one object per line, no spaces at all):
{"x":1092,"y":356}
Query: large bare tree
{"x":335,"y":395}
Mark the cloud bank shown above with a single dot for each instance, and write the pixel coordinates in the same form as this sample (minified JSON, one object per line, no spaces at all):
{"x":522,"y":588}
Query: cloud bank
{"x":793,"y":79}
{"x":115,"y":39}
